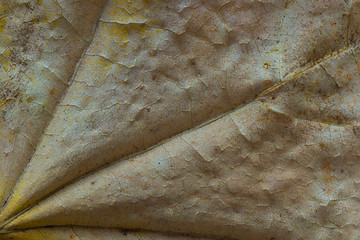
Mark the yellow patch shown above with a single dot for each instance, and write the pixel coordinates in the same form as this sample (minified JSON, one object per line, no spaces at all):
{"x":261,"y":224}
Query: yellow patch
{"x":3,"y":8}
{"x":2,"y":25}
{"x":118,"y":31}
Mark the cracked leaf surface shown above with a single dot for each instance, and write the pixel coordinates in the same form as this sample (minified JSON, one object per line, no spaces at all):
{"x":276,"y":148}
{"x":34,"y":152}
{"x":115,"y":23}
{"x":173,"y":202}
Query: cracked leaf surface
{"x":222,"y":119}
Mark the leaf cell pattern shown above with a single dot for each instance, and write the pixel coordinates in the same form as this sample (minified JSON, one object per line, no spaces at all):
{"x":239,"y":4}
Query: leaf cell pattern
{"x":166,"y":119}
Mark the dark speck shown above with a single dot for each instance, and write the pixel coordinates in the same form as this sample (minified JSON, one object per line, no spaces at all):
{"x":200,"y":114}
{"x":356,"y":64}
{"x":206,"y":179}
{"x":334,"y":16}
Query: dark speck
{"x":5,"y":202}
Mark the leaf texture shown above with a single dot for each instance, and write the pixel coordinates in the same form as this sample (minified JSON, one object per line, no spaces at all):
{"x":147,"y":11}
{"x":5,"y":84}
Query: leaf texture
{"x":40,"y":45}
{"x":224,"y":119}
{"x":78,"y":233}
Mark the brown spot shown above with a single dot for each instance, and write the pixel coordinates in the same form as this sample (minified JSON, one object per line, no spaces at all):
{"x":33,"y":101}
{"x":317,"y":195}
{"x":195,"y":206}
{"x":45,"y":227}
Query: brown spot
{"x":148,"y":109}
{"x":217,"y":149}
{"x":7,"y":154}
{"x":302,"y":87}
{"x":153,"y":77}
{"x":325,"y":166}
{"x":92,"y":183}
{"x":28,"y":100}
{"x":267,"y":65}
{"x":52,"y":91}
{"x":356,"y":130}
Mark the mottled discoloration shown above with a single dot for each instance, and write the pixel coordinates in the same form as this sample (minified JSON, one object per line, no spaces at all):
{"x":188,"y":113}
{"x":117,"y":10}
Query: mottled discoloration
{"x":354,"y":22}
{"x":8,"y":92}
{"x":38,"y":52}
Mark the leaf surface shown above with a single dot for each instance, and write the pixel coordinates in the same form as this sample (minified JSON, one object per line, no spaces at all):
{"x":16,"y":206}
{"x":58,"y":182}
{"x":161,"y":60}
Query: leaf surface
{"x":40,"y":44}
{"x":79,"y":233}
{"x":227,"y":119}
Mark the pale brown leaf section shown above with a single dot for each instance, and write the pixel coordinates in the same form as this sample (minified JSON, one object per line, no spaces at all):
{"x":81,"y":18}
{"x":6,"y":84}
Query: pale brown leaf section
{"x":229,"y":119}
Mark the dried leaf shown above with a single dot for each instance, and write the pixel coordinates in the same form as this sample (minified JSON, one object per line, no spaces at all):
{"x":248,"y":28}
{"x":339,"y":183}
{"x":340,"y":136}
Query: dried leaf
{"x":223,"y":119}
